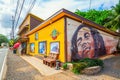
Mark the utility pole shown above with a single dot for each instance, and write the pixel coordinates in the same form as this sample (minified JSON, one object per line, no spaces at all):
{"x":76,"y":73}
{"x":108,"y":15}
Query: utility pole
{"x":90,"y":5}
{"x":12,"y":33}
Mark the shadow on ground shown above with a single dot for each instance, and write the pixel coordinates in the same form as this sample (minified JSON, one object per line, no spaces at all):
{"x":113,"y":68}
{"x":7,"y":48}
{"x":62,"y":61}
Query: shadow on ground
{"x":112,"y":66}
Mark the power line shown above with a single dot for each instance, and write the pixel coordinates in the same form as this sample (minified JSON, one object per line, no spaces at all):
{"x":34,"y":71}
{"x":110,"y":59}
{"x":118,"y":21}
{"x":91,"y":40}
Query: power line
{"x":19,"y":14}
{"x":16,"y":9}
{"x":31,"y":7}
{"x":13,"y":20}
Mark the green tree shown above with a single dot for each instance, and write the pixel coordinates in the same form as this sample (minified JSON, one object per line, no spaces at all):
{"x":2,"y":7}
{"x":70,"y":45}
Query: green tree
{"x":13,"y":41}
{"x":96,"y":16}
{"x":3,"y":39}
{"x":114,"y":19}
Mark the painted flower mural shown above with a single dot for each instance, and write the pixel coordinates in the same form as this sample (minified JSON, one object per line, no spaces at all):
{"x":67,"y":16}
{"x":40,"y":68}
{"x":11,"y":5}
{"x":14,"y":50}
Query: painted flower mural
{"x":54,"y":34}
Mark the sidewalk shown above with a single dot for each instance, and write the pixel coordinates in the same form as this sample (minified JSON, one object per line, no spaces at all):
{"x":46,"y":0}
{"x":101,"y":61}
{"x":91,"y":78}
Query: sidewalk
{"x":38,"y":64}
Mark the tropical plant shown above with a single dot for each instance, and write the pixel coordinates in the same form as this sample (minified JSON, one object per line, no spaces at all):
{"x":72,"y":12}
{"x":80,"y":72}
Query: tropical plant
{"x":97,"y":16}
{"x":85,"y":63}
{"x":64,"y":66}
{"x":114,"y":19}
{"x":11,"y":42}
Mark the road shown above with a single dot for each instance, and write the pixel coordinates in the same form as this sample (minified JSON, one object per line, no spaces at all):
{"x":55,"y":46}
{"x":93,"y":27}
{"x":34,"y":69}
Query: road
{"x":3,"y":53}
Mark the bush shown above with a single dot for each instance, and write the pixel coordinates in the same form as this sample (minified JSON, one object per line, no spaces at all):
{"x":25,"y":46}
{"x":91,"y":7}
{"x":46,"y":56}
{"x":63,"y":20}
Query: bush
{"x":64,"y":66}
{"x":99,"y":62}
{"x":84,"y":63}
{"x":78,"y":67}
{"x":92,"y":62}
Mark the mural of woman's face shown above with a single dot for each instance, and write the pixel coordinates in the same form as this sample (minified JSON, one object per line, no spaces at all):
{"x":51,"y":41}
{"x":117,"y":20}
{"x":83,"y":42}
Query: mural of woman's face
{"x":85,"y":43}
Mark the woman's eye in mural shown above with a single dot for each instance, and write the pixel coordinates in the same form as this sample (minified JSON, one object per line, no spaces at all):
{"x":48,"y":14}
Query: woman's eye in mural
{"x":86,"y":35}
{"x":79,"y":41}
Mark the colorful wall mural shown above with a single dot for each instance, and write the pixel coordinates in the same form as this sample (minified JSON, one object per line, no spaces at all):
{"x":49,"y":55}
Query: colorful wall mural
{"x":88,"y":42}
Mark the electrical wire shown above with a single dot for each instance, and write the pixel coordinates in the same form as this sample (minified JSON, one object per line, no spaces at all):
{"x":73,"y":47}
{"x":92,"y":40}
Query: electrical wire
{"x":19,"y":14}
{"x":16,"y":11}
{"x":30,"y":8}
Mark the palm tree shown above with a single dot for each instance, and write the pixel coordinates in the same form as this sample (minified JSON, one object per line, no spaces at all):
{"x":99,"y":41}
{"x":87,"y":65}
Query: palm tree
{"x":114,"y":19}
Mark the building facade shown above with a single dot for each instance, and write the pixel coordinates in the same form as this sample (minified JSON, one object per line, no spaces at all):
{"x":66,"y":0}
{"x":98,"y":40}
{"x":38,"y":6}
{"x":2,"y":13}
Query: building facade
{"x":30,"y":22}
{"x":72,"y":37}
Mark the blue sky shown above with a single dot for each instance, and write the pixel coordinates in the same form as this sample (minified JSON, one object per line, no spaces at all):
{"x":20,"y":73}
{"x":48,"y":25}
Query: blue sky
{"x":45,"y":8}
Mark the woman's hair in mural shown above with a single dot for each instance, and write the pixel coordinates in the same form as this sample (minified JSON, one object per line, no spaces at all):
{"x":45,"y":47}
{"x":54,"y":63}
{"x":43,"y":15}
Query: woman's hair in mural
{"x":99,"y":46}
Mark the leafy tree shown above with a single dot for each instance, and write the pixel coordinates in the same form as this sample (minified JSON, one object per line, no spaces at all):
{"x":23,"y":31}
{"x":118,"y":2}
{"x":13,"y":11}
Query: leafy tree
{"x":3,"y":39}
{"x":13,"y":41}
{"x":96,"y":16}
{"x":114,"y":19}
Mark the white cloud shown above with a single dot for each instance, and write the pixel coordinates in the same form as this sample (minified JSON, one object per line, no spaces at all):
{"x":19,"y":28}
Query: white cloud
{"x":49,"y":8}
{"x":4,"y":31}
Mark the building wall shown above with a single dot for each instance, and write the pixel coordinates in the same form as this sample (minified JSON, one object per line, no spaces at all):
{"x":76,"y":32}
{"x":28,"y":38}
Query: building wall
{"x":85,"y":41}
{"x":26,"y":22}
{"x":45,"y":34}
{"x":34,"y":22}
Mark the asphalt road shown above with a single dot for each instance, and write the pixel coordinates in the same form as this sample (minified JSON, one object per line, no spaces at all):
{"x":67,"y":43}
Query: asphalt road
{"x":3,"y":53}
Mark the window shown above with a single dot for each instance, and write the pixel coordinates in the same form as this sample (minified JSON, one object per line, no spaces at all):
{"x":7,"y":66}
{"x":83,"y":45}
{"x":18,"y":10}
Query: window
{"x":32,"y":47}
{"x":36,"y":36}
{"x":42,"y":47}
{"x":54,"y":47}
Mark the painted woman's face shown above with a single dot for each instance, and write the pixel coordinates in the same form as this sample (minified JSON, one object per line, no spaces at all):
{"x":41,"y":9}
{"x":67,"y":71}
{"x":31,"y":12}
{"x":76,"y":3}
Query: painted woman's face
{"x":85,"y":43}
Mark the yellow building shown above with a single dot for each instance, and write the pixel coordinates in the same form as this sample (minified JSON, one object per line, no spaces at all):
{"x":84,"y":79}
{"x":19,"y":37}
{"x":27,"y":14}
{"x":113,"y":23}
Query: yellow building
{"x":30,"y":22}
{"x":59,"y":34}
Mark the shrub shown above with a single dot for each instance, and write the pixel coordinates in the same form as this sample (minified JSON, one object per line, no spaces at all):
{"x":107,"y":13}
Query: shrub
{"x":78,"y":67}
{"x":92,"y":62}
{"x":99,"y":62}
{"x":84,"y":63}
{"x":64,"y":66}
